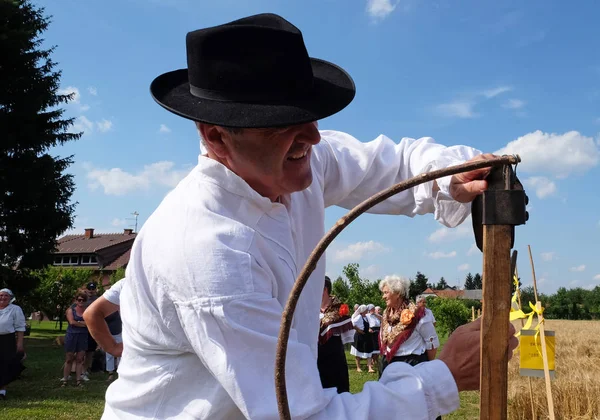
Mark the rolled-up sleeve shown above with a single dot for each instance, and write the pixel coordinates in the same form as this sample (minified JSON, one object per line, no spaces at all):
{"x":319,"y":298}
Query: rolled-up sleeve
{"x":236,"y":337}
{"x":426,"y":329}
{"x":353,"y":171}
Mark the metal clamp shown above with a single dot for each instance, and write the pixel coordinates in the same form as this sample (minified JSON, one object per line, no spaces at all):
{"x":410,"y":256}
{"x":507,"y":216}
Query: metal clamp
{"x":504,"y":203}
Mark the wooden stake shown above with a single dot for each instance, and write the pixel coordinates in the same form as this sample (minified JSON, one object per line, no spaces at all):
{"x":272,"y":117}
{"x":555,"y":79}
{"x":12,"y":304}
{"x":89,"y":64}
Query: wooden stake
{"x":478,"y":313}
{"x":472,"y":313}
{"x":497,"y":282}
{"x":538,"y":306}
{"x":522,"y":325}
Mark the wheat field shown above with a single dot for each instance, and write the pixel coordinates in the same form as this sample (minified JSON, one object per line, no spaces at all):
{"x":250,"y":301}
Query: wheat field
{"x":576,"y":387}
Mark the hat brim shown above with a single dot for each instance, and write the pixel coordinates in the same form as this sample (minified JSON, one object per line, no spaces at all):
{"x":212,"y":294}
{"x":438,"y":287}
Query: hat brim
{"x":332,"y":91}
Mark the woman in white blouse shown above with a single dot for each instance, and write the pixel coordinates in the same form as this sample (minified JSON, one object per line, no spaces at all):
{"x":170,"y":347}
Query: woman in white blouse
{"x":406,"y":334}
{"x":12,"y":330}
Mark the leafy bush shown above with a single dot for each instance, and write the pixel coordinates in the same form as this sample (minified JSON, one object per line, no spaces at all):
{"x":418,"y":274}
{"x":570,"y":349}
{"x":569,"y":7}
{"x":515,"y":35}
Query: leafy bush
{"x":449,"y":314}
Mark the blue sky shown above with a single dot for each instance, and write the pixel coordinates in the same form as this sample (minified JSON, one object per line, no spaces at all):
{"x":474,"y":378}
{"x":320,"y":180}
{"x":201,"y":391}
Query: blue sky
{"x":508,"y":76}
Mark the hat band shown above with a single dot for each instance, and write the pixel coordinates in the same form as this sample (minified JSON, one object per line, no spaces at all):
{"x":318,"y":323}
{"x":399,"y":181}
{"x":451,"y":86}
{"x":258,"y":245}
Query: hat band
{"x":217,"y":95}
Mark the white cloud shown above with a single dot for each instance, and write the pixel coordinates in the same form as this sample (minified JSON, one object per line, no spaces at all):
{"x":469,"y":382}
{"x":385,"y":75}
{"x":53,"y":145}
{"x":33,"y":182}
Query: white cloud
{"x":118,"y":222}
{"x":463,"y":267}
{"x":71,"y":90}
{"x":83,"y":124}
{"x":492,"y":93}
{"x":514,"y":104}
{"x":473,"y":250}
{"x":355,"y":252}
{"x":164,"y":129}
{"x":445,"y":234}
{"x":104,"y":125}
{"x":597,"y":277}
{"x":438,"y":254}
{"x":116,"y":181}
{"x":579,"y":268}
{"x":371,"y":272}
{"x":379,"y":9}
{"x":460,"y":109}
{"x":548,"y":256}
{"x":542,"y":185}
{"x":92,"y":90}
{"x":557,"y":154}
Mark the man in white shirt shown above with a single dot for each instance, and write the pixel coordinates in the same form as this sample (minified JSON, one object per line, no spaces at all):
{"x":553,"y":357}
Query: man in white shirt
{"x":213,"y":266}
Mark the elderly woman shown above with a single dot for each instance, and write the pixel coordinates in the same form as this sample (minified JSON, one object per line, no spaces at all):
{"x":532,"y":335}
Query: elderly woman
{"x":407,"y":334}
{"x":12,"y":330}
{"x":76,"y":339}
{"x":362,"y":348}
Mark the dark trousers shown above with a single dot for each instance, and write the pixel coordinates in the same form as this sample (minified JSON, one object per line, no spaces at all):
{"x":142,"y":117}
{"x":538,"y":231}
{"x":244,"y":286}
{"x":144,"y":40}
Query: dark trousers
{"x":411,"y":359}
{"x":333,"y":368}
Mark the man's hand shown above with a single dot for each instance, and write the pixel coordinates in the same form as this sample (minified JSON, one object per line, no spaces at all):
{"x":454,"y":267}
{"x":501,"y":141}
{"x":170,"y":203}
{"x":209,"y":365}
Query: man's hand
{"x":461,"y":354}
{"x":464,"y":187}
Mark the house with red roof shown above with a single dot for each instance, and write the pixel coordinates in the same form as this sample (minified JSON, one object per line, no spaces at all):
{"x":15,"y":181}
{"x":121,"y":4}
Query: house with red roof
{"x":104,"y":253}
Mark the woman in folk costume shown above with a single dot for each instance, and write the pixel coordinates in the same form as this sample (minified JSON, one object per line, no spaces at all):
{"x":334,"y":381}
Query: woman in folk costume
{"x":12,"y":331}
{"x":362,"y":348}
{"x":406,"y":334}
{"x":374,"y":326}
{"x":335,"y":323}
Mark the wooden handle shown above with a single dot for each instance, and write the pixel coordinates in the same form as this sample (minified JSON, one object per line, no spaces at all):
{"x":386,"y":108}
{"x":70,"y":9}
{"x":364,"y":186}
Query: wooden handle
{"x":494,"y":323}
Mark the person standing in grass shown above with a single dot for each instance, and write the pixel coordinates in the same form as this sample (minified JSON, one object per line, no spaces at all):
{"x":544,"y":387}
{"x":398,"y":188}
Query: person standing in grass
{"x":331,"y":359}
{"x":104,"y":324}
{"x":76,"y":340}
{"x":12,"y":330}
{"x":362,"y":348}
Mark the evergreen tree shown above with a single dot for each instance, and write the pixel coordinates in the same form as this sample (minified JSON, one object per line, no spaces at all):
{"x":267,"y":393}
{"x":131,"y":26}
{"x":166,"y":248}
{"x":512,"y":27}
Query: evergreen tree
{"x":442,"y":284}
{"x":418,"y":285}
{"x":35,"y":205}
{"x":477,"y":282}
{"x":469,"y":282}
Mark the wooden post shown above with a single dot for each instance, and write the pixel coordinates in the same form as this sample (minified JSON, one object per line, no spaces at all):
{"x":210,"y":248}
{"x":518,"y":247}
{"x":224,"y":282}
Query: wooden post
{"x":472,"y":313}
{"x":538,"y":306}
{"x":494,"y":324}
{"x":478,"y":313}
{"x":522,"y":325}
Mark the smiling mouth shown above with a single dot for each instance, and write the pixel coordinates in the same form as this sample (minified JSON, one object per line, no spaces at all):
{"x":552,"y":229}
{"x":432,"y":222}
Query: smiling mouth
{"x":298,"y":156}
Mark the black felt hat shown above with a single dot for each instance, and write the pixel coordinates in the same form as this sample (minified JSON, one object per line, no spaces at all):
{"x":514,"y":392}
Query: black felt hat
{"x":253,"y":72}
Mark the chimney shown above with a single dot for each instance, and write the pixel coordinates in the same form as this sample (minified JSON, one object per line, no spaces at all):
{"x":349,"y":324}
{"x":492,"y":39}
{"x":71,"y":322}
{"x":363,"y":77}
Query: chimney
{"x":127,"y":231}
{"x":89,"y":233}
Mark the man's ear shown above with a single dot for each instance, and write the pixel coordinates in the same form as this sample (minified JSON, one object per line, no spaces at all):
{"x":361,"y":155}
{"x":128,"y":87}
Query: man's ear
{"x":215,"y":139}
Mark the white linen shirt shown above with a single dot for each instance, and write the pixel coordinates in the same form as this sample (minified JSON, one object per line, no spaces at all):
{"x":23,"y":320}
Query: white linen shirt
{"x":424,"y":337}
{"x":212,"y":268}
{"x":11,"y":319}
{"x":114,"y":293}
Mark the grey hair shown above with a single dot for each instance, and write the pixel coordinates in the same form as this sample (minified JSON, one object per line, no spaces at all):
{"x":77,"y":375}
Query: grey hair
{"x":396,"y":284}
{"x":421,"y":298}
{"x":362,"y":308}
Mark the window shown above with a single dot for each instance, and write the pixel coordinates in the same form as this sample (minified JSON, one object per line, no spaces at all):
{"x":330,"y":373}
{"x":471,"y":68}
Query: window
{"x":66,"y":260}
{"x":88,"y":259}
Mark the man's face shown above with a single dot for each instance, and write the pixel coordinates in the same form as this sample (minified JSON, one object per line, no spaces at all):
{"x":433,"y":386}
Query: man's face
{"x":91,"y":292}
{"x":274,"y":161}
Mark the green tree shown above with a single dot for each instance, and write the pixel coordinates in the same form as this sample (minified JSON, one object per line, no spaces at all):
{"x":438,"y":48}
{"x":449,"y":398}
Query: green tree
{"x":449,"y":314}
{"x":35,"y":195}
{"x":362,"y":291}
{"x":117,"y":275}
{"x":442,"y":284}
{"x":477,"y":282}
{"x":340,"y":289}
{"x":418,"y":285}
{"x":469,"y":282}
{"x":57,"y":288}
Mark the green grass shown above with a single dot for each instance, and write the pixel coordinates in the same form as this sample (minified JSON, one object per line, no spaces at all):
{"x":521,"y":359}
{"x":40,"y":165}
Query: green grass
{"x":469,"y":401}
{"x":38,"y":395}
